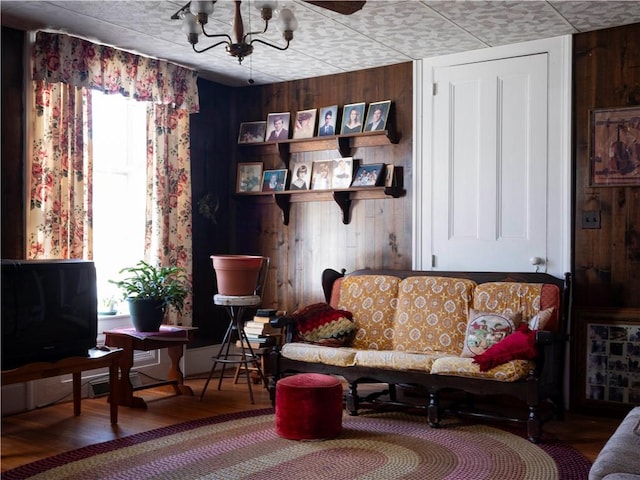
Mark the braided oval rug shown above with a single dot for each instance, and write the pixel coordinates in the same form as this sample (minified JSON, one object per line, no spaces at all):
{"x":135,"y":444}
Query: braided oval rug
{"x":382,"y":446}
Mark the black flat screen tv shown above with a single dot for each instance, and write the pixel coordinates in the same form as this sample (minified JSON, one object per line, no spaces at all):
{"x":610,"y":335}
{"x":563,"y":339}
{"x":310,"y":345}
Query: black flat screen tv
{"x":49,"y":310}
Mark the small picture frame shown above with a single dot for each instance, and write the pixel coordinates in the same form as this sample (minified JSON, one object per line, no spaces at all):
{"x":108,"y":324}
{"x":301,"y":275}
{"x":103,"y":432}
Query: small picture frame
{"x":278,"y":126}
{"x":249,"y":177}
{"x":321,"y":175}
{"x":327,"y":121}
{"x":305,"y":125}
{"x":614,"y":148}
{"x":368,"y":175}
{"x":274,"y":180}
{"x":300,"y":175}
{"x":352,"y":118}
{"x":377,"y":116}
{"x":388,"y":176}
{"x":252,"y":132}
{"x":342,"y":173}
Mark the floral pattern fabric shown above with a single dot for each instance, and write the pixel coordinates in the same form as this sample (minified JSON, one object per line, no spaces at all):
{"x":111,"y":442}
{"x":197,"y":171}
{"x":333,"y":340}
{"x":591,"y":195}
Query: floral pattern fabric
{"x":71,"y":60}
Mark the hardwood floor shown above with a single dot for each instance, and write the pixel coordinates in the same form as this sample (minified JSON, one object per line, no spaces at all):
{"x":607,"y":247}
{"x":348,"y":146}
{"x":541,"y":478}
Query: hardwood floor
{"x":38,"y":434}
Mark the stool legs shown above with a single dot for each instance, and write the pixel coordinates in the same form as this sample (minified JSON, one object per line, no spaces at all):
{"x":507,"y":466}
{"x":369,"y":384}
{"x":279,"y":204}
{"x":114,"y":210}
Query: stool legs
{"x":245,"y":357}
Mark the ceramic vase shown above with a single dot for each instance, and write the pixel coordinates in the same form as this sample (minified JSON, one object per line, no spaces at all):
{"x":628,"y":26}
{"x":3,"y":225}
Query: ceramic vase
{"x":237,"y":275}
{"x":146,"y":314}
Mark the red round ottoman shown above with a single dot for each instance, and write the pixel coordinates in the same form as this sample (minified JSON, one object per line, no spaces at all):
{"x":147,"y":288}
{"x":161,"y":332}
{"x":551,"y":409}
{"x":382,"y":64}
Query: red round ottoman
{"x":308,"y":407}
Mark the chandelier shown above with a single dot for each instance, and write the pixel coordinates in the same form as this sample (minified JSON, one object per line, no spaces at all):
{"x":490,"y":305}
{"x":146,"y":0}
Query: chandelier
{"x":195,"y":16}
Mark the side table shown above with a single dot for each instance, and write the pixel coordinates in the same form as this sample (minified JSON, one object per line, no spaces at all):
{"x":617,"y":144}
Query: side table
{"x":171,"y":338}
{"x":96,"y":358}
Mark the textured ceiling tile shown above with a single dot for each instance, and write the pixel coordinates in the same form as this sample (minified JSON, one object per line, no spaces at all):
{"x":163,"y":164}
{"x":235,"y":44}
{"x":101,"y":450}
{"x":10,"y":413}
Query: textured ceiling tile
{"x":593,"y":15}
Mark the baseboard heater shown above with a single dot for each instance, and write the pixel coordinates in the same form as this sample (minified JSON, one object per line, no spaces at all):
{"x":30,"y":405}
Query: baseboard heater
{"x":99,"y":387}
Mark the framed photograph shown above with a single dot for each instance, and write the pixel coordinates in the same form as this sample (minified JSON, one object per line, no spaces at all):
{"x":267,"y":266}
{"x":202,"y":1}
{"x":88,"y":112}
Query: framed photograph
{"x":607,"y":359}
{"x":300,"y":175}
{"x":274,"y":180}
{"x":278,"y":126}
{"x":377,"y":116}
{"x":352,"y":118}
{"x":321,"y":175}
{"x":369,"y":175}
{"x":252,"y":132}
{"x":615,"y":147}
{"x":327,"y":121}
{"x":249,"y":176}
{"x":342,"y":173}
{"x":388,"y":176}
{"x":305,"y":125}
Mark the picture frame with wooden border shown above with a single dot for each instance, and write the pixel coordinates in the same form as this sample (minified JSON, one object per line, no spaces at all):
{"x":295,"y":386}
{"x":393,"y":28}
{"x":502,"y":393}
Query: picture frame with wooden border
{"x":274,"y":180}
{"x":249,"y":177}
{"x":278,"y":126}
{"x":321,"y":175}
{"x":300,"y":174}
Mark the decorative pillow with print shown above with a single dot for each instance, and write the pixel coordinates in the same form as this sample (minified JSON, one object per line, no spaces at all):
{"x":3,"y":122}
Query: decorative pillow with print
{"x":322,"y":324}
{"x":486,"y":329}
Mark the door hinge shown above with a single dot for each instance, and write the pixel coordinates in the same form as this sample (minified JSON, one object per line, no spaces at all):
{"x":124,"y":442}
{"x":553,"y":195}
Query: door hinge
{"x":433,"y":261}
{"x":434,"y":90}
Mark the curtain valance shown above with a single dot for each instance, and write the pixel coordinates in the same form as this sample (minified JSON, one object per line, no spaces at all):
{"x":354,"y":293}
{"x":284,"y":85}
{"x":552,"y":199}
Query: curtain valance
{"x":81,"y":63}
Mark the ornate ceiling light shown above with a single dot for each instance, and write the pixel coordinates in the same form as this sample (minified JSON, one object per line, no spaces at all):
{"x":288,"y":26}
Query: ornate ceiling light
{"x":195,"y":16}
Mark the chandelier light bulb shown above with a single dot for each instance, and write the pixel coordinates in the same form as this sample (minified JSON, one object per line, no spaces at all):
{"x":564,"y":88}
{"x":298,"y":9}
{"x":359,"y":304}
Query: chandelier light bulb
{"x":201,"y":9}
{"x":288,"y":21}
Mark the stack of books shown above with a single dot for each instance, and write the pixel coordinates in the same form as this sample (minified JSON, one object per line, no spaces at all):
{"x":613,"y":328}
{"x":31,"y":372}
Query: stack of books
{"x":260,"y":333}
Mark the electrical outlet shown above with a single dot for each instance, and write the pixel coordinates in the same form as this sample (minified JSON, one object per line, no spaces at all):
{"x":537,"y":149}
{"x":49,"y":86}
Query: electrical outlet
{"x":591,"y":219}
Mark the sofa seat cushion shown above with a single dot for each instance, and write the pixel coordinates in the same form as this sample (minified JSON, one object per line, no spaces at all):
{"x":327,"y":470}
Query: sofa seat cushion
{"x":509,"y":297}
{"x":507,"y":372}
{"x":432,"y":314}
{"x":372,"y":299}
{"x":394,"y":360}
{"x":306,"y":352}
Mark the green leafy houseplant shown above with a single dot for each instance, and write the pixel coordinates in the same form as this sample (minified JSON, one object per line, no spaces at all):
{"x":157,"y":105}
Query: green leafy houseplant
{"x":161,"y":286}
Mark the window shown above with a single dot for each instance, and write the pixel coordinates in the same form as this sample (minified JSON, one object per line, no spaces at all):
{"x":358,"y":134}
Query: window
{"x":119,"y":172}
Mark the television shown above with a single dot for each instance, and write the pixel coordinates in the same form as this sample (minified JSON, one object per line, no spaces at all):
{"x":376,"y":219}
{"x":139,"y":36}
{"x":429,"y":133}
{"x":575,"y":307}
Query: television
{"x":49,"y":310}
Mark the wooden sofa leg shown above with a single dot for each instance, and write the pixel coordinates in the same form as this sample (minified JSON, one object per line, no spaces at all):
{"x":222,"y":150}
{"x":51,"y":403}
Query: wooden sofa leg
{"x":352,"y":399}
{"x":433,"y":410}
{"x":534,"y":424}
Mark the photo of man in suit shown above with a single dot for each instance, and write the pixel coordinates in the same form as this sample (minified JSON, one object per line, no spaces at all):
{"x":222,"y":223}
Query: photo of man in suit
{"x":327,"y":127}
{"x":279,"y":132}
{"x":376,"y":120}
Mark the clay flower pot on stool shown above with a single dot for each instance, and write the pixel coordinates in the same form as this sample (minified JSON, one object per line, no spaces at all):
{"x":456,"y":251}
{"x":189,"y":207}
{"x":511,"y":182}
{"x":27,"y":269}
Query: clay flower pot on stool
{"x":237,"y":275}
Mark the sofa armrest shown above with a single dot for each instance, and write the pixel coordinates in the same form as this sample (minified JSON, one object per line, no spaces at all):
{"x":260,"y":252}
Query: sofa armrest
{"x":287,"y":324}
{"x":544,"y":337}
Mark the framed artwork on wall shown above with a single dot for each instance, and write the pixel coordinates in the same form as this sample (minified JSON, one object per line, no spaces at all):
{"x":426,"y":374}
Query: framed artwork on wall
{"x":274,"y":180}
{"x":305,"y":123}
{"x":327,"y":121}
{"x":252,"y":132}
{"x":353,"y":118}
{"x":278,"y":126}
{"x":377,"y":116}
{"x":614,"y":147}
{"x":607,"y":359}
{"x":248,"y":177}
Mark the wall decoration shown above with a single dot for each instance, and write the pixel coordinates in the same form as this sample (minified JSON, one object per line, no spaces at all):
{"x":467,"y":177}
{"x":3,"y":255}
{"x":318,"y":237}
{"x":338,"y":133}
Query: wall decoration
{"x":278,"y":126}
{"x":252,"y":132}
{"x":610,"y":353}
{"x":368,"y":175}
{"x":248,"y":177}
{"x":274,"y":180}
{"x":327,"y":121}
{"x":305,"y":123}
{"x":342,"y":173}
{"x":615,"y":147}
{"x":300,"y":174}
{"x":321,"y":175}
{"x":353,"y":118}
{"x":377,"y":116}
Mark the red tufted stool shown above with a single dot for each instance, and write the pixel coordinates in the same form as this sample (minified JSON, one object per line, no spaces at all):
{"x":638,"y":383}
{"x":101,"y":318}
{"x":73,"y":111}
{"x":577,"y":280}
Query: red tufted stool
{"x":308,"y":407}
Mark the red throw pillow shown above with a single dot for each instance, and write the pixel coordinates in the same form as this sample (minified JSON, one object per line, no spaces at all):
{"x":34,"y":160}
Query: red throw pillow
{"x":520,"y":345}
{"x":322,"y":324}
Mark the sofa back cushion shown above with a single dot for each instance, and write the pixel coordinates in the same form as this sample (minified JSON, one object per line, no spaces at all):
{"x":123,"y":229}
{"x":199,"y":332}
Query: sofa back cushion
{"x":372,"y":299}
{"x":514,"y":297}
{"x":432,"y":314}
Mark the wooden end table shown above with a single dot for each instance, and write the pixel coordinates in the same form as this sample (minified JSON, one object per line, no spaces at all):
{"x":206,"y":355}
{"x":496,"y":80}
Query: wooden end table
{"x":171,"y":338}
{"x":97,"y":358}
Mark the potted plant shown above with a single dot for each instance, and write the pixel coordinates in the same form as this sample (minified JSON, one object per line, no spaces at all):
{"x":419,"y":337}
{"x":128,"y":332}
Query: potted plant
{"x":150,"y":290}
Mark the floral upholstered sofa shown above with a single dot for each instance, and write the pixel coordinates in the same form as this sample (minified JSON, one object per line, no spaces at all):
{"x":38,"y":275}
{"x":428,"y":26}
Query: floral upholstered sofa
{"x":473,"y":333}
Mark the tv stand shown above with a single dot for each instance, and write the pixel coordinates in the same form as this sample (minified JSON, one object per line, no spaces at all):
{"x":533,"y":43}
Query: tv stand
{"x":75,"y":366}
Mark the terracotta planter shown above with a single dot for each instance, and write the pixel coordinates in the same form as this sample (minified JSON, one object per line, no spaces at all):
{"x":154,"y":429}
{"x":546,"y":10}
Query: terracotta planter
{"x":237,"y":274}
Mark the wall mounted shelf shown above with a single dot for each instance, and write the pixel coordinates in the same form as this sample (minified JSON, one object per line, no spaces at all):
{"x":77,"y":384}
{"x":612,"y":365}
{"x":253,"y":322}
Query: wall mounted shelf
{"x":343,"y":198}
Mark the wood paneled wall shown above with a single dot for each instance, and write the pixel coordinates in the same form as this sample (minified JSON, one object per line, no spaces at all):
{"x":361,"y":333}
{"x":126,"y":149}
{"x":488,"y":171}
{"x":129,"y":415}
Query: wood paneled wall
{"x":606,"y":73}
{"x":379,"y":234}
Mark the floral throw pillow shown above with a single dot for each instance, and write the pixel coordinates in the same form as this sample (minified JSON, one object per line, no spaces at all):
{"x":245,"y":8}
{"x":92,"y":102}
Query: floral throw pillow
{"x":322,"y":324}
{"x":485,"y":329}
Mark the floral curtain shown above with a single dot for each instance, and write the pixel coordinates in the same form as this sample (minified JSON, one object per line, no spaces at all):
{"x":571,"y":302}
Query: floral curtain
{"x":168,"y":232}
{"x":59,"y":219}
{"x":59,"y":216}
